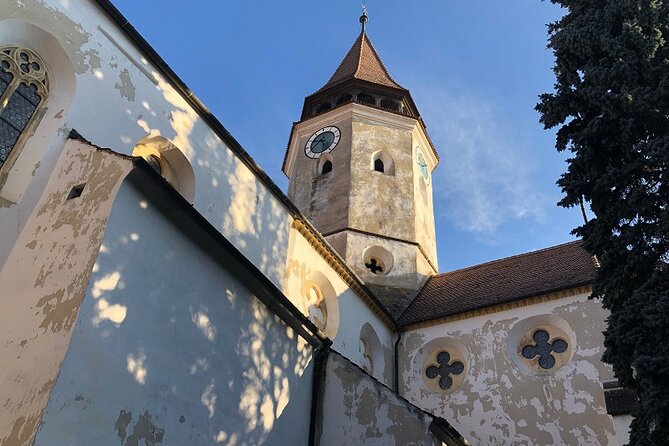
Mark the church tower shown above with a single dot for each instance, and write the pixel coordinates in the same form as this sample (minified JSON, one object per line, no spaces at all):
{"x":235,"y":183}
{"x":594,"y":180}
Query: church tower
{"x":360,"y":164}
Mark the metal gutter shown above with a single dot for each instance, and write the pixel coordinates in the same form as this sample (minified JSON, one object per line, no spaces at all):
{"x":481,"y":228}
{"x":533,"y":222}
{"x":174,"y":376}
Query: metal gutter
{"x":396,"y":377}
{"x":318,"y":380}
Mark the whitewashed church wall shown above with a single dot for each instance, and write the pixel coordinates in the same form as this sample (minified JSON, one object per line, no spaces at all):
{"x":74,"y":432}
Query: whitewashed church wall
{"x":498,"y":399}
{"x":170,"y":348}
{"x":358,"y":410}
{"x":347,"y":313}
{"x":44,"y":279}
{"x":120,"y":99}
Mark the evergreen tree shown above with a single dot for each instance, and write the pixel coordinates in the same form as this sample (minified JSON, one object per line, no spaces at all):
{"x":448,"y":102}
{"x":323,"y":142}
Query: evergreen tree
{"x":611,"y":108}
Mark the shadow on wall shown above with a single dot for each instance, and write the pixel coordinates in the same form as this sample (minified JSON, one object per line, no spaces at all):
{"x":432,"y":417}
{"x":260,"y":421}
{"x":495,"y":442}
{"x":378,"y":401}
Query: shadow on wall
{"x":170,"y":348}
{"x":228,"y":194}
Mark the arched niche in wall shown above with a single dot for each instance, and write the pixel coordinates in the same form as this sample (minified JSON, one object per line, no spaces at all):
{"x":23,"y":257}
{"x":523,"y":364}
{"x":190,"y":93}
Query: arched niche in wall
{"x":322,"y":305}
{"x":381,"y":161}
{"x":371,"y":351}
{"x":541,"y":344}
{"x":169,"y":162}
{"x":43,"y":134}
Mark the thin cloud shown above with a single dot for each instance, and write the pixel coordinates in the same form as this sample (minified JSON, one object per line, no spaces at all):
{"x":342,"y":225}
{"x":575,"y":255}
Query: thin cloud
{"x":484,"y":178}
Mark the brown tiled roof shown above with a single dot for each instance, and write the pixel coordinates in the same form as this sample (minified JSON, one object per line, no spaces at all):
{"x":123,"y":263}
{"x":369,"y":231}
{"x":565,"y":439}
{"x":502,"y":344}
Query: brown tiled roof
{"x":362,"y":62}
{"x":502,"y":281}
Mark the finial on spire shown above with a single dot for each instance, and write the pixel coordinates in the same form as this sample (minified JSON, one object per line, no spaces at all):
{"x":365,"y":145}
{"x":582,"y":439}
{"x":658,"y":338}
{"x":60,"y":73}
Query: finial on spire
{"x":363,"y":17}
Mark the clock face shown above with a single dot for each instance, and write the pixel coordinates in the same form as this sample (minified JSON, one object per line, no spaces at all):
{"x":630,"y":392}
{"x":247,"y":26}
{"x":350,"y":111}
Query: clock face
{"x":323,"y":141}
{"x":422,"y":166}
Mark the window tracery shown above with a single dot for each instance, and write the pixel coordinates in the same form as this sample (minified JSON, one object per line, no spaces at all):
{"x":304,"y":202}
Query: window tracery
{"x":24,"y":87}
{"x":318,"y":311}
{"x":544,"y":349}
{"x":444,"y":370}
{"x":367,"y":359}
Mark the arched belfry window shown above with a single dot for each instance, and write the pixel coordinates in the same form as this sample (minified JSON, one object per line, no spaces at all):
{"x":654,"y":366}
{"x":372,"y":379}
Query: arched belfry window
{"x":383,"y":162}
{"x":23,"y":89}
{"x":327,"y":167}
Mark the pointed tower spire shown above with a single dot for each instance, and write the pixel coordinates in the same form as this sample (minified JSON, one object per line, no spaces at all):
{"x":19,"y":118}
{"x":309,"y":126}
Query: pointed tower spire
{"x":363,"y":78}
{"x":362,"y":62}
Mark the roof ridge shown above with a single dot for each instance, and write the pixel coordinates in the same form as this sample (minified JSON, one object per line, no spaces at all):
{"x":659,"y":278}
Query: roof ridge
{"x":362,"y":37}
{"x":502,"y":259}
{"x":383,"y":66}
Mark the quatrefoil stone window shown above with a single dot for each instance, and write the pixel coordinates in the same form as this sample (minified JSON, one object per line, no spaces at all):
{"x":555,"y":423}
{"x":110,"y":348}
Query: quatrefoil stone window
{"x":543,"y":349}
{"x":444,"y":370}
{"x":375,"y":266}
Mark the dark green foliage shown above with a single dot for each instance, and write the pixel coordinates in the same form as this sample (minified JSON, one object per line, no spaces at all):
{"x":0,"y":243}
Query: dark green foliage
{"x":611,"y":107}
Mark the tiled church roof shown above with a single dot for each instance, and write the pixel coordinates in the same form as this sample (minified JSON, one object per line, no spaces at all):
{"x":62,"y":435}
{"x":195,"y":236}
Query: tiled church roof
{"x":502,"y":281}
{"x":362,"y":62}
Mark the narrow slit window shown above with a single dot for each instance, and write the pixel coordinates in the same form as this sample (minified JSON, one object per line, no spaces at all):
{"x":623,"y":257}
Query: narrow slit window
{"x":23,"y":88}
{"x":378,"y":166}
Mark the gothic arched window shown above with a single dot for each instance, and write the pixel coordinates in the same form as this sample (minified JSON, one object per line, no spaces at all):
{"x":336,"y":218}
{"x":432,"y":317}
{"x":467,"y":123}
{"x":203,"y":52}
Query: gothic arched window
{"x":327,"y":167}
{"x":378,"y":165}
{"x":23,"y":89}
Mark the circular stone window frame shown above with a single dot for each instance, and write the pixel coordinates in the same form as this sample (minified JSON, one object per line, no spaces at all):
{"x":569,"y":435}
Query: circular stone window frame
{"x":382,"y":255}
{"x":427,"y":356}
{"x":521,"y":335}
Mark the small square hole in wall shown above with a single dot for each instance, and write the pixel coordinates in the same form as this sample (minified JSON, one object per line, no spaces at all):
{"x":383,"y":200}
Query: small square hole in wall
{"x":76,"y":191}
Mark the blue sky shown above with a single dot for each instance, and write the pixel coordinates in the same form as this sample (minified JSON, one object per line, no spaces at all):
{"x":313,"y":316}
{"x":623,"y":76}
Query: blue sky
{"x":475,"y":70}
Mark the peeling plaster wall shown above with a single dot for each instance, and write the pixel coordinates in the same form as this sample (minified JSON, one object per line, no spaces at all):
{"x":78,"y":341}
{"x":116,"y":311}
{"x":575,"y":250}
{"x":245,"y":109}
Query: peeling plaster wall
{"x":358,"y":410}
{"x":501,"y":402}
{"x":169,"y":348}
{"x":44,"y":280}
{"x":323,"y":199}
{"x":390,"y":197}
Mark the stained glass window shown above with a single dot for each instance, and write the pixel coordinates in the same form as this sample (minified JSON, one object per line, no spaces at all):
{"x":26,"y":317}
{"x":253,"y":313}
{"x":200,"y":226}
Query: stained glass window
{"x":23,"y":87}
